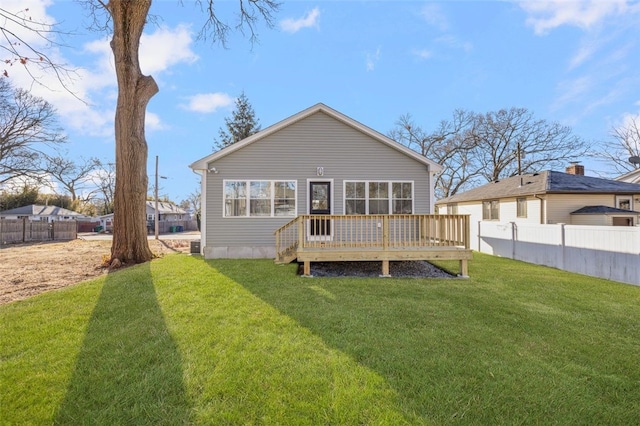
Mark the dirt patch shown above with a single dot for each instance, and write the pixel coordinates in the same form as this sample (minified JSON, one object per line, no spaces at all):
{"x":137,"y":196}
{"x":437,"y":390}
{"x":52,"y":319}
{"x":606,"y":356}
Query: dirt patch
{"x":30,"y":269}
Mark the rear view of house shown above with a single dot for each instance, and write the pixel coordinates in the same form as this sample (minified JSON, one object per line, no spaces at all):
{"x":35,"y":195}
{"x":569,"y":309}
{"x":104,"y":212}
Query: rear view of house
{"x":317,"y":162}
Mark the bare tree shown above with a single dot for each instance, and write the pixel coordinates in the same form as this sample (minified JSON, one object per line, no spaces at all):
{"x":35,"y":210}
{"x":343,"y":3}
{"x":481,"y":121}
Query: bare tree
{"x":449,"y":145}
{"x":104,"y":179}
{"x":74,"y":177}
{"x":127,"y":19}
{"x":477,"y":148}
{"x":511,"y":142}
{"x":193,"y":202}
{"x":624,"y":144}
{"x":20,"y":52}
{"x":27,"y":126}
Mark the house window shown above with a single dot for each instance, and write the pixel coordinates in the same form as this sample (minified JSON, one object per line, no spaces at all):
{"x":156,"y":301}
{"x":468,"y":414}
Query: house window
{"x":521,"y":207}
{"x":378,"y":197}
{"x":491,"y":210}
{"x":260,"y":198}
{"x":624,"y":202}
{"x":355,"y":199}
{"x":452,"y":208}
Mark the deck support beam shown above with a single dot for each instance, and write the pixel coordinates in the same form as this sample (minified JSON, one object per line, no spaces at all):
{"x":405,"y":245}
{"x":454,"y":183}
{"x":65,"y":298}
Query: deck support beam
{"x":385,"y":268}
{"x":464,"y":269}
{"x":307,"y":268}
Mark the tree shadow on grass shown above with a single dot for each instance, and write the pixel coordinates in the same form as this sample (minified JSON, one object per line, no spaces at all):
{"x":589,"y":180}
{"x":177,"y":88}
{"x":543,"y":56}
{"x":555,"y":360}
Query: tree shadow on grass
{"x":128,"y":370}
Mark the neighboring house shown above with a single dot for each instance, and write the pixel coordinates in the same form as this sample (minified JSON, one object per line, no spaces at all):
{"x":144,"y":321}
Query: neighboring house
{"x":36,"y":212}
{"x":318,"y":161}
{"x":550,"y":197}
{"x":630,"y":177}
{"x":166,"y":212}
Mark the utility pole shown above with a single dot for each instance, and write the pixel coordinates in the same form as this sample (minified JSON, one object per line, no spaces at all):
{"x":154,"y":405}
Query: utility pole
{"x":157,"y":215}
{"x":157,"y":225}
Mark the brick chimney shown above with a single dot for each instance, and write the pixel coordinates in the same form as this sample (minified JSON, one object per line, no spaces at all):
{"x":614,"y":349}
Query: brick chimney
{"x":575,"y":169}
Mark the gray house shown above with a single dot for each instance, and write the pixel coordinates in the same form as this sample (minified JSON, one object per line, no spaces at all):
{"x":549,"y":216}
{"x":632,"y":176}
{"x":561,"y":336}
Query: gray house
{"x":316,"y":162}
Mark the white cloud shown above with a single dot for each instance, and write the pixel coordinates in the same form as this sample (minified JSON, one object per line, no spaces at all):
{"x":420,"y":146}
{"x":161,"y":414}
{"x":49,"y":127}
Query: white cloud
{"x":372,"y":59}
{"x":165,"y":48}
{"x":309,"y":20}
{"x":96,"y":84}
{"x":433,"y":14}
{"x":152,"y":122}
{"x":208,"y":102}
{"x":545,"y":16}
{"x":422,"y":53}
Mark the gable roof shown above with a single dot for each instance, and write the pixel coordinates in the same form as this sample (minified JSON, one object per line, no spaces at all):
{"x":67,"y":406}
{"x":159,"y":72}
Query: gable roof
{"x":548,"y":182}
{"x":165,"y":207}
{"x":631,"y":177}
{"x":203,"y":163}
{"x":38,"y":210}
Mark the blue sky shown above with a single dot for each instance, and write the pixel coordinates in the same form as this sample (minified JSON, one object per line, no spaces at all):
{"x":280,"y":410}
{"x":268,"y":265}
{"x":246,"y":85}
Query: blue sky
{"x":576,"y":62}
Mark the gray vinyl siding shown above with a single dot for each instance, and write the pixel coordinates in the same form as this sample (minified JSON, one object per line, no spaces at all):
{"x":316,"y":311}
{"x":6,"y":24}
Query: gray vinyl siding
{"x":295,"y":153}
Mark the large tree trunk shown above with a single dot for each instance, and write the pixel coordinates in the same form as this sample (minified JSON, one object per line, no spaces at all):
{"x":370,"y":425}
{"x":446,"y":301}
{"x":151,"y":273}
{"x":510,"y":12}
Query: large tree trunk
{"x":130,"y":243}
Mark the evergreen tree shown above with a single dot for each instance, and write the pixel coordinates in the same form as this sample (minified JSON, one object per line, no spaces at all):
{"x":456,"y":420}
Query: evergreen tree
{"x":240,"y":125}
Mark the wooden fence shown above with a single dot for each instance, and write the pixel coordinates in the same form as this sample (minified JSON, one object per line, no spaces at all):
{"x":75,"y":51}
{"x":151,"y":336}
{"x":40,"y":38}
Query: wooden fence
{"x":24,"y":230}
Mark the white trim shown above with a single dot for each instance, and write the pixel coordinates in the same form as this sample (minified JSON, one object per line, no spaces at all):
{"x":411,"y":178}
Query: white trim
{"x":624,"y":198}
{"x":366,"y":193}
{"x":247,"y":214}
{"x":204,"y":177}
{"x":331,"y":210}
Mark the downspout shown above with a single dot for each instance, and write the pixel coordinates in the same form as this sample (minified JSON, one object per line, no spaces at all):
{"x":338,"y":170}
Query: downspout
{"x":543,"y":218}
{"x":203,"y":210}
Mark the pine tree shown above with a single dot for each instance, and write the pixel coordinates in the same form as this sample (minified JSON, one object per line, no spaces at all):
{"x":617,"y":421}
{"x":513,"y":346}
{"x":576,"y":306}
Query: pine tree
{"x":240,"y":125}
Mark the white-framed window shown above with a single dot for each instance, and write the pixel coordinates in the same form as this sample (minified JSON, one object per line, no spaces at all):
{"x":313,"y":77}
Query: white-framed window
{"x":378,"y":197}
{"x":259,"y":198}
{"x":521,"y":207}
{"x":624,"y":202}
{"x":491,"y":210}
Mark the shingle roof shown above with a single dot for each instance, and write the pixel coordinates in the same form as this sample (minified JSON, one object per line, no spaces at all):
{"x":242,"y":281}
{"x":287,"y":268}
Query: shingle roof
{"x":38,"y":210}
{"x":603,"y":210}
{"x":547,"y":182}
{"x":166,"y":208}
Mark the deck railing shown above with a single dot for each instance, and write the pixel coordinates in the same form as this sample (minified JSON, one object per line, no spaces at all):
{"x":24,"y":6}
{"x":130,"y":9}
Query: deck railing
{"x":370,"y":232}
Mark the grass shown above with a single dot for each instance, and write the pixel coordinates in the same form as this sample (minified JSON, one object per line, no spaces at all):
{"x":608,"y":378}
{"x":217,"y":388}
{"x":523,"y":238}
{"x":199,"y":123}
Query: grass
{"x":187,"y":341}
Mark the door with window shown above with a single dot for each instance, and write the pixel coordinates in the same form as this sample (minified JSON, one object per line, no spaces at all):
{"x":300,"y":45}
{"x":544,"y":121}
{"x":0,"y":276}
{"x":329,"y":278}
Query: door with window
{"x":320,"y":204}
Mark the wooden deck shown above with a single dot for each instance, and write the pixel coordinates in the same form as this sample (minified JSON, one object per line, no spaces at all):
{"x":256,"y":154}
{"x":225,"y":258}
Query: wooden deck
{"x":333,"y":238}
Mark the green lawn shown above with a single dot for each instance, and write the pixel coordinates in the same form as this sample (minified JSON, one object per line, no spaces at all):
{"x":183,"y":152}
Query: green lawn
{"x":187,"y":341}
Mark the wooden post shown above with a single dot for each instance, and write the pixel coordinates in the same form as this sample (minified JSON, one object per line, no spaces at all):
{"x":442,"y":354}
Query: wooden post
{"x":467,"y":232}
{"x":277,"y":245}
{"x":307,"y":268}
{"x":385,"y":232}
{"x":464,"y":269}
{"x":385,"y":268}
{"x":301,"y":222}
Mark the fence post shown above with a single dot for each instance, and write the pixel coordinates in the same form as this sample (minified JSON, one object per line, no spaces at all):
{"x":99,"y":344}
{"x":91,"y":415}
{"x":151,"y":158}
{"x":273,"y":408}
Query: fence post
{"x":563,"y":243}
{"x":479,"y":237}
{"x":514,"y":237}
{"x":24,"y":229}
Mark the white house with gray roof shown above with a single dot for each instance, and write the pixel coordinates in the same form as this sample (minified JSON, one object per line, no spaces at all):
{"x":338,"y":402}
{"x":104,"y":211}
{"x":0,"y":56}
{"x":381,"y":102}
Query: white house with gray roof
{"x":550,"y":197}
{"x":37,"y":212}
{"x":318,"y":161}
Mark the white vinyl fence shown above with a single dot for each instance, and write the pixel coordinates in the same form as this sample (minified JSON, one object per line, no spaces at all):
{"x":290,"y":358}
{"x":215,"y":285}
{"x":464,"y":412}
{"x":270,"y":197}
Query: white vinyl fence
{"x":611,"y":252}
